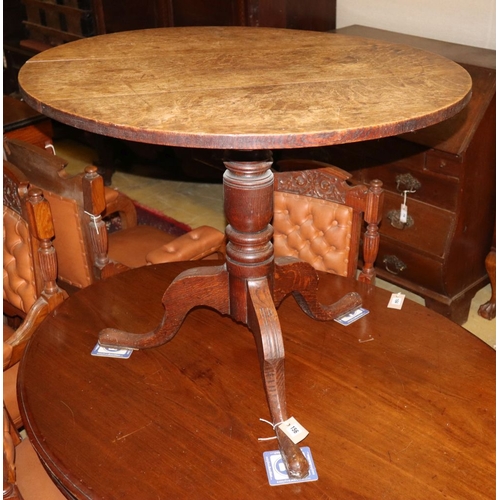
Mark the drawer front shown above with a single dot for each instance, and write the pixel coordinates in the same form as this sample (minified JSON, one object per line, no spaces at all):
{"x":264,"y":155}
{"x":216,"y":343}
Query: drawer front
{"x":433,"y":178}
{"x":427,"y":187}
{"x":407,"y":265}
{"x":444,"y":164}
{"x":428,"y":229}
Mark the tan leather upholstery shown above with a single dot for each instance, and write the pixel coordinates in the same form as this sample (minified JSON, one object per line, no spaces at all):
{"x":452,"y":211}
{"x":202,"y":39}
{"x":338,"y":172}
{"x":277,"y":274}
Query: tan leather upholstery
{"x":111,"y":195}
{"x":194,"y":245}
{"x":142,"y":245}
{"x":117,"y":202}
{"x":130,"y":246}
{"x":19,"y":287}
{"x":30,"y":291}
{"x":319,"y":217}
{"x":74,"y":266}
{"x":313,"y":230}
{"x":85,"y":250}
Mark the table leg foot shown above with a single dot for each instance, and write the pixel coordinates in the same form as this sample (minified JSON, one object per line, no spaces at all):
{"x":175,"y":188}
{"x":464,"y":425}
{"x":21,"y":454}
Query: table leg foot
{"x":300,"y":279}
{"x":264,"y":323}
{"x":296,"y":463}
{"x":205,"y":286}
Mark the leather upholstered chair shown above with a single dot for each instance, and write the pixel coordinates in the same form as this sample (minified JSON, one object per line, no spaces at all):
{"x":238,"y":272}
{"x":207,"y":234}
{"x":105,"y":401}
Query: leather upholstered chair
{"x":23,"y":474}
{"x":319,"y":218}
{"x":30,"y":291}
{"x":85,"y":249}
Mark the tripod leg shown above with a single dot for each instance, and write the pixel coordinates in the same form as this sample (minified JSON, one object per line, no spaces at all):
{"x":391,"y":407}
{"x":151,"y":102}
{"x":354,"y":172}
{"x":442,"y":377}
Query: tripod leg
{"x":264,"y":323}
{"x":300,"y":279}
{"x":205,"y":286}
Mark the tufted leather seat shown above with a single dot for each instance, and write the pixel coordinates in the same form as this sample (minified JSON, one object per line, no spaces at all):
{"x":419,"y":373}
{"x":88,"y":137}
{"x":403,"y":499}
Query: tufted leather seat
{"x":142,"y":245}
{"x":318,"y":217}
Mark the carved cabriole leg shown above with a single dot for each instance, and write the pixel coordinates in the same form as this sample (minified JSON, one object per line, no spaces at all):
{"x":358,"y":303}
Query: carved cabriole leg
{"x":298,"y":277}
{"x":264,"y":323}
{"x":205,"y":286}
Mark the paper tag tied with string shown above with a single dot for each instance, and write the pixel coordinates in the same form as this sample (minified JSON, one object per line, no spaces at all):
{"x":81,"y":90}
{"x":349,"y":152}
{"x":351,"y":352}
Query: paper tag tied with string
{"x":293,"y":430}
{"x":403,"y":215}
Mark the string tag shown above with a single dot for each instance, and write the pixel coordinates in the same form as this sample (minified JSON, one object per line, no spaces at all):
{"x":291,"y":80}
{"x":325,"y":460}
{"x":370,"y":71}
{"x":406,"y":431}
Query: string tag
{"x":293,"y":430}
{"x":403,"y":215}
{"x":95,"y":219}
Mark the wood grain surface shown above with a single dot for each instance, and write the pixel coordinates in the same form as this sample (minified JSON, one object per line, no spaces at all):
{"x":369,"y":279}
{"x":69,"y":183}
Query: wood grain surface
{"x":400,"y":404}
{"x":243,"y":88}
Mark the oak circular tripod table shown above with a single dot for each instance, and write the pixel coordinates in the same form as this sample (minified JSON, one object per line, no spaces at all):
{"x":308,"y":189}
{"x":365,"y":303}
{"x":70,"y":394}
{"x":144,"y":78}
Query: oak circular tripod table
{"x":247,"y":91}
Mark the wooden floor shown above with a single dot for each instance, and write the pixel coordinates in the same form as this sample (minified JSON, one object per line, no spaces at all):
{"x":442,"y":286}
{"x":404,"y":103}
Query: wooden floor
{"x":197,"y":203}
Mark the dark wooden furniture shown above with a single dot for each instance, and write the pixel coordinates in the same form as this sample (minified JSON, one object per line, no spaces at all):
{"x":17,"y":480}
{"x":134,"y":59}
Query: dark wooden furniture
{"x":292,"y":89}
{"x":68,"y":20}
{"x":22,"y":122}
{"x":318,"y":15}
{"x":387,"y":418}
{"x":85,"y":250}
{"x":449,"y":170}
{"x":319,"y":218}
{"x":30,"y":291}
{"x":31,"y":26}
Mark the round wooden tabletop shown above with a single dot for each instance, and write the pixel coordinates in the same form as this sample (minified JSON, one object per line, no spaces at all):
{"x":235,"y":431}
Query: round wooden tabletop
{"x":400,"y":404}
{"x":242,"y":87}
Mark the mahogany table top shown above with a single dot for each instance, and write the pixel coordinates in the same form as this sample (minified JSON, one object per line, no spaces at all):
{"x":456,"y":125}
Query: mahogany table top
{"x":242,"y":87}
{"x":400,"y":404}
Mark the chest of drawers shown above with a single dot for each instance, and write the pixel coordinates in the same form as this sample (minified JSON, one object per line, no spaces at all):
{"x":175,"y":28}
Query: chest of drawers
{"x":448,"y":173}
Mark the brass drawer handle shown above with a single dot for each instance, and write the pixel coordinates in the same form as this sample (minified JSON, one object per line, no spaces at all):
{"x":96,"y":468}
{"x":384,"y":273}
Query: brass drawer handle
{"x":393,"y":264}
{"x":395,"y":215}
{"x":406,"y":182}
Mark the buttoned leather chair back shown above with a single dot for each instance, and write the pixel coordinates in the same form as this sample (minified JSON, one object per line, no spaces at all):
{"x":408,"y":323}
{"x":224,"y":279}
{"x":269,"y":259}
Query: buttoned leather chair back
{"x":319,"y":218}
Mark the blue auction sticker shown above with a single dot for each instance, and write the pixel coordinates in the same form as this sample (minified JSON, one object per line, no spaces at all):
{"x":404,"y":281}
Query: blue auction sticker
{"x":276,"y":470}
